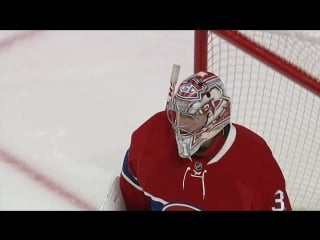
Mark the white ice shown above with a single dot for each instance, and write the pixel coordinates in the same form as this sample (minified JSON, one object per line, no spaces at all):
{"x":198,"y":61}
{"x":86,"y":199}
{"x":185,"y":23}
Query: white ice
{"x":69,"y":101}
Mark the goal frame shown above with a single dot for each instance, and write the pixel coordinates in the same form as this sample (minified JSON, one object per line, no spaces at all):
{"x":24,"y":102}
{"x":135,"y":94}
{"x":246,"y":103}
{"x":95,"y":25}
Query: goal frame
{"x":262,"y":54}
{"x":212,"y":51}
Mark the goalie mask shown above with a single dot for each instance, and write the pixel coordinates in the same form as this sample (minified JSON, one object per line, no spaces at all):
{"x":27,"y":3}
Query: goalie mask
{"x":198,"y":111}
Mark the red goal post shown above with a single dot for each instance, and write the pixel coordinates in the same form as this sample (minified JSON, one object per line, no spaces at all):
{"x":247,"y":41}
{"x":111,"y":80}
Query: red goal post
{"x":272,"y":78}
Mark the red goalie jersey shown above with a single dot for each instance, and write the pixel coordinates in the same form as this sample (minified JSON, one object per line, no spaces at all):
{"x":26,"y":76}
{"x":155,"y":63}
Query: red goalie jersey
{"x":239,"y":172}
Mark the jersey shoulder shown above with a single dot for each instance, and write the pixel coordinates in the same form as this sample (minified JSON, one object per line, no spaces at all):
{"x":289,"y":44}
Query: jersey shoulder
{"x":157,"y":123}
{"x":248,"y":136}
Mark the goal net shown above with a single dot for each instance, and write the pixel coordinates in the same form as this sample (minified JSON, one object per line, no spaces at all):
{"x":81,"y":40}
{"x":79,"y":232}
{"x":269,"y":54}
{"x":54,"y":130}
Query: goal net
{"x":272,"y":78}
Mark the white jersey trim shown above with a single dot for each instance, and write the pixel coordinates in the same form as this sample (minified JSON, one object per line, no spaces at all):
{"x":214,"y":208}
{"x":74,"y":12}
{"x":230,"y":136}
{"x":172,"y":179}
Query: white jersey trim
{"x":226,"y":146}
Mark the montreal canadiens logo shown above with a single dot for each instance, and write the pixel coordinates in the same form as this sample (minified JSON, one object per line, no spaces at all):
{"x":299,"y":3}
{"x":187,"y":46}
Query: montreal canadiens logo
{"x":179,"y":207}
{"x":190,"y":90}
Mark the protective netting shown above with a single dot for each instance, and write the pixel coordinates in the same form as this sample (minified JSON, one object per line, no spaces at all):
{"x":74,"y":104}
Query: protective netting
{"x":286,"y":114}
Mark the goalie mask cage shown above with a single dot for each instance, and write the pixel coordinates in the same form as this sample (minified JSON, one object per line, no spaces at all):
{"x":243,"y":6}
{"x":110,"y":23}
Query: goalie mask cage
{"x":272,"y":78}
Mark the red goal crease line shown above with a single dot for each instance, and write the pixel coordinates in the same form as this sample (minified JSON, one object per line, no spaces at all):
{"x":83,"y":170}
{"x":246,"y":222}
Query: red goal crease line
{"x":19,"y":36}
{"x":45,"y":181}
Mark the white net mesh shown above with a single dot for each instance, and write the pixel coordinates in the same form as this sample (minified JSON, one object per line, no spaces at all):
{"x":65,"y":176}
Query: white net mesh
{"x":286,"y":114}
